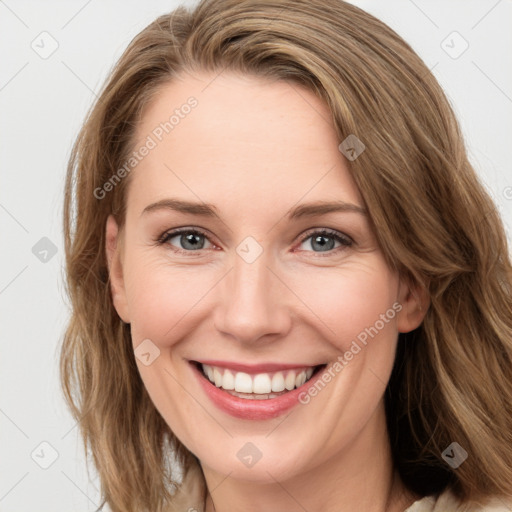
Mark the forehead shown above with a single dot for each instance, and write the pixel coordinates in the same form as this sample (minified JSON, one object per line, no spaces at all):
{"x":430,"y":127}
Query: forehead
{"x":231,"y":135}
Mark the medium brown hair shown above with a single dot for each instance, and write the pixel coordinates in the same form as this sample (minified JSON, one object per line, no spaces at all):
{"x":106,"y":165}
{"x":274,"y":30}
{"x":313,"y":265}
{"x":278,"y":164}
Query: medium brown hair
{"x":435,"y":224}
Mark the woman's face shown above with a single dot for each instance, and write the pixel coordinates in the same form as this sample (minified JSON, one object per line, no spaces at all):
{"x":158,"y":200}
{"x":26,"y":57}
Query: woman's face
{"x":274,"y":276}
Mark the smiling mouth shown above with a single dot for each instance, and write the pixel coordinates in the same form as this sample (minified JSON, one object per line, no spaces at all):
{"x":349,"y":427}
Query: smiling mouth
{"x":260,"y":386}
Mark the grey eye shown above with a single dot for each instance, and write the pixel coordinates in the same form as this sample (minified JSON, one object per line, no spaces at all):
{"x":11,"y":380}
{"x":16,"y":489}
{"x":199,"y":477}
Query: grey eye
{"x":188,"y":240}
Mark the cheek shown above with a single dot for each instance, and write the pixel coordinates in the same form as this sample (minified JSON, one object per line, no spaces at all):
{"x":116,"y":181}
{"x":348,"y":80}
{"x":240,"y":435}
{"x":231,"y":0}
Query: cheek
{"x":164,"y":300}
{"x":350,"y":301}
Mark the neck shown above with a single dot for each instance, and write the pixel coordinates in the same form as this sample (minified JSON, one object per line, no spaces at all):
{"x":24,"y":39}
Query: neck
{"x":359,"y":477}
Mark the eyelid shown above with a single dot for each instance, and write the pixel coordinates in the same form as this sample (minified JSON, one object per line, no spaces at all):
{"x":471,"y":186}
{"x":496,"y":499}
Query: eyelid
{"x":170,"y":233}
{"x":344,"y":238}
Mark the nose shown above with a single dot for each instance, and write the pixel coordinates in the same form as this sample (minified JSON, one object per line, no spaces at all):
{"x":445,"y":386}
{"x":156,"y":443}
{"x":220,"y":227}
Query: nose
{"x":252,"y":303}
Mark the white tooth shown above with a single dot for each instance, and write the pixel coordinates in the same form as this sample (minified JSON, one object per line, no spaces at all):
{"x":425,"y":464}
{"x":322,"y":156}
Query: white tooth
{"x":243,"y":382}
{"x":217,"y":377}
{"x":228,"y":380}
{"x":209,"y":371}
{"x":309,"y":372}
{"x":289,"y":382}
{"x":278,"y":382}
{"x":261,"y":384}
{"x":300,"y":379}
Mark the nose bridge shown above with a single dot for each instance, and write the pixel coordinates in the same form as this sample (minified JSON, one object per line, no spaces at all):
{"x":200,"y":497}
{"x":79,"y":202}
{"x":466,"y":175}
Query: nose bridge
{"x":251,"y":280}
{"x":250,"y":303}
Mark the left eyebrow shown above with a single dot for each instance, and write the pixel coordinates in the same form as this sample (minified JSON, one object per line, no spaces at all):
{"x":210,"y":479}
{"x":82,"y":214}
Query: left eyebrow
{"x":324,"y":207}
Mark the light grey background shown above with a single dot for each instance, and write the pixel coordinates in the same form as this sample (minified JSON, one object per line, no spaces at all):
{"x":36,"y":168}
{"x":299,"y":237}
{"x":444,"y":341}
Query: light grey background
{"x":43,"y":102}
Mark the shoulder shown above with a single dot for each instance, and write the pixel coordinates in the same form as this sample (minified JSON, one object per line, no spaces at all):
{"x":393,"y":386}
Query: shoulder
{"x":191,"y":495}
{"x":448,"y":502}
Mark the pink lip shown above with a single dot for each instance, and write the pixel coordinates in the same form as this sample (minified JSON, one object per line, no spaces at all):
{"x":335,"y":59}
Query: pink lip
{"x":251,"y":409}
{"x":253,"y":369}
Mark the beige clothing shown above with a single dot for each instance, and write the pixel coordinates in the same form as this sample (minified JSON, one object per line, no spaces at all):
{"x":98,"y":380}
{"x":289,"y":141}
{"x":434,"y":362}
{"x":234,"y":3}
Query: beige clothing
{"x":447,"y":502}
{"x":191,"y":498}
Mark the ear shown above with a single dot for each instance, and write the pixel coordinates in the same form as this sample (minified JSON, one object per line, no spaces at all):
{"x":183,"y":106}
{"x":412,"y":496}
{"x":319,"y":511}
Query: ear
{"x":113,"y":248}
{"x":414,"y":299}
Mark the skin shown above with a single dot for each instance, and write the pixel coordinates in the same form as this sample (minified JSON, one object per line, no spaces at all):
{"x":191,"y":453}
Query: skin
{"x":254,"y":149}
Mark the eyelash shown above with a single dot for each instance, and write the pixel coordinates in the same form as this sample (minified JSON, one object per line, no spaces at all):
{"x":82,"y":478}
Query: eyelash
{"x":344,"y":240}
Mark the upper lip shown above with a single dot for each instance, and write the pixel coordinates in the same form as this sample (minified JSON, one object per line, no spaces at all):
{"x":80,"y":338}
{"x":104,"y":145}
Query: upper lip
{"x":254,"y":368}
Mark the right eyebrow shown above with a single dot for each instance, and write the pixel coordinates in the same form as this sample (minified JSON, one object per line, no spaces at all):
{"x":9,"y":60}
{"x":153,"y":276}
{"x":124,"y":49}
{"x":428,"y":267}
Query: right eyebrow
{"x":204,"y":209}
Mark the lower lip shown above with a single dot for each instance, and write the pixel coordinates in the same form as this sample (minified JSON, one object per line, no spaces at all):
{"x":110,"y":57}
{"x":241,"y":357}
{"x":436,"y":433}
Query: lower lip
{"x":252,"y":409}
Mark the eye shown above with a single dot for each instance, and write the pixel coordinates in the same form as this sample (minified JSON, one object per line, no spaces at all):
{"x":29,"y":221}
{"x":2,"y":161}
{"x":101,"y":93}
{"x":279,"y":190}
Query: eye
{"x":325,"y":240}
{"x":186,"y":240}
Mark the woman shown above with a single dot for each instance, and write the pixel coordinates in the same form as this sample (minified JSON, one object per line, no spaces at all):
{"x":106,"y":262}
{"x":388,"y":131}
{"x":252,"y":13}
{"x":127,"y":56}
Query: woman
{"x":289,"y":289}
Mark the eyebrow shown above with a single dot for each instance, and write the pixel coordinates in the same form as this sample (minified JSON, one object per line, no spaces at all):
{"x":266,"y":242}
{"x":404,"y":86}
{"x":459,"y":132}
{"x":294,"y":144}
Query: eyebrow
{"x":324,"y":207}
{"x":209,"y":210}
